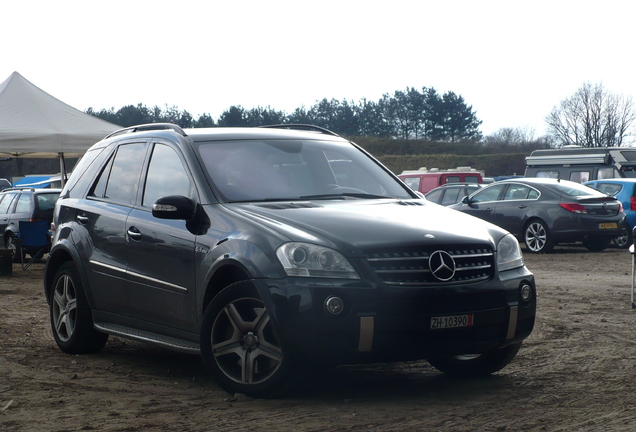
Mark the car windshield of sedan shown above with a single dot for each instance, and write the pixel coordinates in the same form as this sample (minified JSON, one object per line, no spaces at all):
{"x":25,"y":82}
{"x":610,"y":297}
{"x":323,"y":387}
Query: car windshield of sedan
{"x":280,"y":170}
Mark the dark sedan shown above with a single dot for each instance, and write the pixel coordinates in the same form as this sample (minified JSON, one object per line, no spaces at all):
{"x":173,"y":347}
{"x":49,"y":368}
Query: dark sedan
{"x":544,"y":212}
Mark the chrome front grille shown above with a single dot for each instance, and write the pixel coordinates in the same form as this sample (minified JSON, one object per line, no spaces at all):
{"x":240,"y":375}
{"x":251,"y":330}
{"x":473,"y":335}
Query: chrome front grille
{"x":472,"y":263}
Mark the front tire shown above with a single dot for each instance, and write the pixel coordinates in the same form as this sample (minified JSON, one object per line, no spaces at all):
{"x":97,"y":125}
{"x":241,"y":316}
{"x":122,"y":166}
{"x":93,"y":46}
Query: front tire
{"x":71,"y":318}
{"x":476,"y":365}
{"x":239,"y":346}
{"x":537,"y":237}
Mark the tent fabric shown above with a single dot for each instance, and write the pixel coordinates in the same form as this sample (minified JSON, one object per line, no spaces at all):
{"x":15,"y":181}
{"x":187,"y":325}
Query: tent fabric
{"x":36,"y":181}
{"x":35,"y":124}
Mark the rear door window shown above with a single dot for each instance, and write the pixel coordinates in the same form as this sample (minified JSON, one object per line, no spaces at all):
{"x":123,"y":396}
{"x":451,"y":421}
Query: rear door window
{"x":517,"y":192}
{"x":119,"y":179}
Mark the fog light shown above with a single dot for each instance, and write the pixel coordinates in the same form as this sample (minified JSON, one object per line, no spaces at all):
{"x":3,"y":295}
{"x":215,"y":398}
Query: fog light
{"x":526,"y":292}
{"x":334,"y":305}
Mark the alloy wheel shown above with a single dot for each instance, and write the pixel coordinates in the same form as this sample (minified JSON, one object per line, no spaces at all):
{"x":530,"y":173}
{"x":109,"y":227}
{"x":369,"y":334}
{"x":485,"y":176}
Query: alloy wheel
{"x":243,"y":342}
{"x":536,"y":237}
{"x":64,"y":308}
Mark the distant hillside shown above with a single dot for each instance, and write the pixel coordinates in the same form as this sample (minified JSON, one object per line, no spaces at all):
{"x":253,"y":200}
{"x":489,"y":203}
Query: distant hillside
{"x":400,"y":155}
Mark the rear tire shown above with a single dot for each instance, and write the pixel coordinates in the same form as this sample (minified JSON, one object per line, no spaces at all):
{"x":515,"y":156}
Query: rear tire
{"x":475,"y":365}
{"x":71,"y":318}
{"x":537,"y":237}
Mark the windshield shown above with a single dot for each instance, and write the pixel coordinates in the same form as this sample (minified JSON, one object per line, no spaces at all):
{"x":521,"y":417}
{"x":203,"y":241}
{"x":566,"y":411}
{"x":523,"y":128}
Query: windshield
{"x":272,"y":170}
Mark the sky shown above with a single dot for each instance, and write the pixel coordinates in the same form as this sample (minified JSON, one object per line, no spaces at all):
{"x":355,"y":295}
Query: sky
{"x":512,"y":61}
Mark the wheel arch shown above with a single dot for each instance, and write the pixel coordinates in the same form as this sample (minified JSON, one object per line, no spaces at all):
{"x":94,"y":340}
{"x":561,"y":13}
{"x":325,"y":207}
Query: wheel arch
{"x":224,"y":275}
{"x":236,"y":261}
{"x":58,"y":256}
{"x":534,"y":218}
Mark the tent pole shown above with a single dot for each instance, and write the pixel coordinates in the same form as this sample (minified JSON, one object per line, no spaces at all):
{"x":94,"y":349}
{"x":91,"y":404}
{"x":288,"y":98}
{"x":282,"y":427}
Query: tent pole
{"x":62,"y":169}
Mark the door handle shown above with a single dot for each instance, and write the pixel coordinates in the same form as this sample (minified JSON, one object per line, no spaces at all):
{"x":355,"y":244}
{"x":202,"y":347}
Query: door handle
{"x":134,"y":233}
{"x":523,"y":206}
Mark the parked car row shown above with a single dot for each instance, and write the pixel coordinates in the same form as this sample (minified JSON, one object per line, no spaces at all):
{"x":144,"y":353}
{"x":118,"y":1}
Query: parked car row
{"x":544,"y":212}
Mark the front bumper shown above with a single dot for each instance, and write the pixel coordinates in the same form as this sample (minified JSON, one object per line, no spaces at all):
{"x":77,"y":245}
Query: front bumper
{"x":387,"y":323}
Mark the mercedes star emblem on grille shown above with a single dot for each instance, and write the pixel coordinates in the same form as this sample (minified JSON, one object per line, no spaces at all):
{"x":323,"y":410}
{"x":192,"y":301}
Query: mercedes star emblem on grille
{"x":442,"y":265}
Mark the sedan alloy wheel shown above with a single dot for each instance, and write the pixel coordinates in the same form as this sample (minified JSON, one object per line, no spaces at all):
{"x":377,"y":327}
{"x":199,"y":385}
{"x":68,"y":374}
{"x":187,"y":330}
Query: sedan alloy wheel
{"x":537,"y":238}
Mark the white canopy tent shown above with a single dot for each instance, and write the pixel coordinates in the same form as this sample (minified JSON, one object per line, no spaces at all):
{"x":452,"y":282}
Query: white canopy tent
{"x":34,"y":124}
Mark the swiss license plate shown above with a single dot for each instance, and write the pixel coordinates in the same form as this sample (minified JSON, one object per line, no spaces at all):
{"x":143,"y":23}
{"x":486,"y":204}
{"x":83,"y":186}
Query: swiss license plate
{"x":445,"y":322}
{"x":608,"y":225}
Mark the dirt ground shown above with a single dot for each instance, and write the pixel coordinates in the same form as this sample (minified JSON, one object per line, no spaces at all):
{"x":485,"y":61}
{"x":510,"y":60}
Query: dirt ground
{"x":575,"y":373}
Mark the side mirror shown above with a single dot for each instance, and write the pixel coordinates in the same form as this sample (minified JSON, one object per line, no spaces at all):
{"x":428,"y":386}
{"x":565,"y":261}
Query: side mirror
{"x":173,"y":207}
{"x":466,"y":200}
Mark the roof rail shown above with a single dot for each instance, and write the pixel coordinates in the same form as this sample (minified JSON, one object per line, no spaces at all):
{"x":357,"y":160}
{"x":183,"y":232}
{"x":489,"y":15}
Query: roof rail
{"x":308,"y":127}
{"x":148,"y":127}
{"x":26,"y":188}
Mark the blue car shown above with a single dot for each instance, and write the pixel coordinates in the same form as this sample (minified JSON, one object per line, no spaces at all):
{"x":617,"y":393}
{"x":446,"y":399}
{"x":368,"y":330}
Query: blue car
{"x":623,"y":189}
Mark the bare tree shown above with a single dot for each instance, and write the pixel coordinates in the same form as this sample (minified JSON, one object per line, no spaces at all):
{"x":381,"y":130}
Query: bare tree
{"x":511,"y":137}
{"x":593,"y":117}
{"x":520,"y":139}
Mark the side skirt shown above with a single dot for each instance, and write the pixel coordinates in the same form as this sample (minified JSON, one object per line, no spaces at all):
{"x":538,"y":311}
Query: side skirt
{"x":146,"y":336}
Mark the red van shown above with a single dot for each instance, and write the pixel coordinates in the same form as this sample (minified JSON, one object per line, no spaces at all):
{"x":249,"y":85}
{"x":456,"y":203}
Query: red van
{"x":424,"y":180}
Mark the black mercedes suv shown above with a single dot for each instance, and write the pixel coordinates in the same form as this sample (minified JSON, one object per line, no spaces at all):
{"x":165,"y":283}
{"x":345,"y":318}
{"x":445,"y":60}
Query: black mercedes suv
{"x":268,"y":249}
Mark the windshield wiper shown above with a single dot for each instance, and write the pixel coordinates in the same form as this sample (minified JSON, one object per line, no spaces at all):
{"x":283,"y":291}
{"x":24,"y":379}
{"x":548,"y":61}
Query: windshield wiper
{"x":342,"y":196}
{"x":345,"y":195}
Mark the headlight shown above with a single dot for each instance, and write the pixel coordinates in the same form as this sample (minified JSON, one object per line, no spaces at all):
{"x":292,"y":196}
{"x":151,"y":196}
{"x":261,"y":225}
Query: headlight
{"x":509,"y":253}
{"x":304,"y":259}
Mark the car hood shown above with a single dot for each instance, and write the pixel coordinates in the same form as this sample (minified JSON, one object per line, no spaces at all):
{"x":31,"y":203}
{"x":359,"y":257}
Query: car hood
{"x":354,"y":225}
